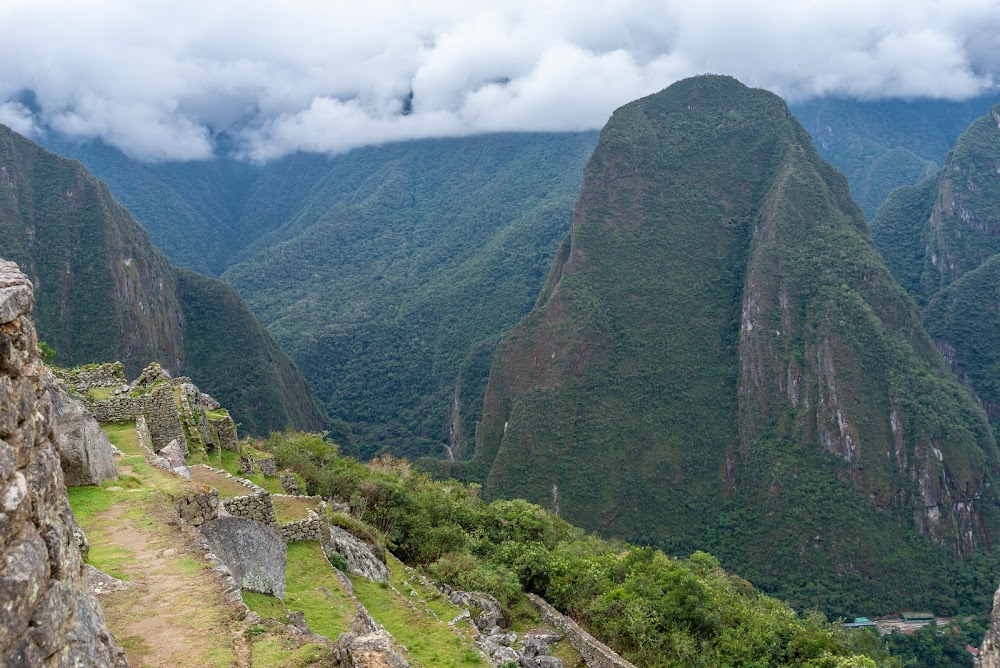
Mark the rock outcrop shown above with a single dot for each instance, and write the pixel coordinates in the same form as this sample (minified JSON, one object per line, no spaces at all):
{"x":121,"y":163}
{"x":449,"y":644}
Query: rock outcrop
{"x":255,"y":553}
{"x":359,"y":557}
{"x":85,"y":453}
{"x":48,"y":618}
{"x":989,"y":653}
{"x":171,"y":458}
{"x":367,"y":645}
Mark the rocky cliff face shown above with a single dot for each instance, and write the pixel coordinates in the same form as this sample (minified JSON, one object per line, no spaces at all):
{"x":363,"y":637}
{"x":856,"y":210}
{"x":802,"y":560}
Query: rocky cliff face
{"x":48,"y":617}
{"x":989,"y":653}
{"x":720,"y":358}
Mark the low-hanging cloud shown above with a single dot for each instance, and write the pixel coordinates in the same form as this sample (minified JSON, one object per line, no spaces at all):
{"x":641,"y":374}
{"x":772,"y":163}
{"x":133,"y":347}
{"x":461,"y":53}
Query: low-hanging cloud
{"x":160,"y":80}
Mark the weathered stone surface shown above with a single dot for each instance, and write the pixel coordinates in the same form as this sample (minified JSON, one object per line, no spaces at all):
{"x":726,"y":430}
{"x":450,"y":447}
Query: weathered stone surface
{"x":99,"y":582}
{"x":487,"y":613}
{"x":47,"y":616}
{"x":171,"y":458}
{"x":225,"y":432}
{"x":196,"y":509}
{"x":255,"y":553}
{"x":289,"y":483}
{"x":313,"y":527}
{"x":85,"y":453}
{"x":267,"y":467}
{"x":360,"y":559}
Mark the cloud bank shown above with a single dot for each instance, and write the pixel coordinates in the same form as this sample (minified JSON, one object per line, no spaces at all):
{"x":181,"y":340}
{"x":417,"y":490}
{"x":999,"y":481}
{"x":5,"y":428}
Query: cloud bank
{"x":160,"y":80}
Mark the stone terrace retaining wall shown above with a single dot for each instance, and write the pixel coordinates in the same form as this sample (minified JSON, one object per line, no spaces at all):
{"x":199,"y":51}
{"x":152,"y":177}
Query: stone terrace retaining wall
{"x":595,"y":653}
{"x":313,"y":527}
{"x":256,"y":506}
{"x":116,"y":409}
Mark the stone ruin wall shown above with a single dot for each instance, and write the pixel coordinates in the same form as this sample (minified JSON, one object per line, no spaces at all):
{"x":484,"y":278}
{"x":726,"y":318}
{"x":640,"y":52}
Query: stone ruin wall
{"x":111,"y":374}
{"x":162,"y":418}
{"x":225,"y":432}
{"x":48,"y":618}
{"x":116,"y":409}
{"x":595,"y":653}
{"x":196,"y":509}
{"x":314,"y":527}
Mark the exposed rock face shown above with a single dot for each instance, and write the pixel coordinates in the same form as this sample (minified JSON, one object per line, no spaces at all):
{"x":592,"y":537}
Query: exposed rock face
{"x":85,"y":453}
{"x":289,"y":483}
{"x":486,"y":611}
{"x":255,"y":553}
{"x":171,"y":458}
{"x":48,"y":618}
{"x":989,"y":653}
{"x":360,"y":559}
{"x":367,"y":645}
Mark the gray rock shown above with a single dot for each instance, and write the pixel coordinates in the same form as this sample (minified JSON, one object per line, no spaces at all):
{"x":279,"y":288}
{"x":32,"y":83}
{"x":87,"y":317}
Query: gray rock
{"x":255,"y":553}
{"x":298,"y":621}
{"x":99,"y":582}
{"x":548,"y":662}
{"x":534,"y":646}
{"x":85,"y":453}
{"x":171,"y":458}
{"x":360,"y":559}
{"x":487,"y":612}
{"x":372,"y":650}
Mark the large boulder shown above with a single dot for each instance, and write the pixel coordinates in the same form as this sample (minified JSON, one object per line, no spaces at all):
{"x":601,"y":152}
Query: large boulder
{"x":487,"y":613}
{"x":359,"y":557}
{"x":255,"y":553}
{"x":85,"y":453}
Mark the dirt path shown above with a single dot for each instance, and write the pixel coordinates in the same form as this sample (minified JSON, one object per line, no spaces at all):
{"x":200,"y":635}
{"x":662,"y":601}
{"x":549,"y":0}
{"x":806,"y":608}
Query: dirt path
{"x":175,"y":615}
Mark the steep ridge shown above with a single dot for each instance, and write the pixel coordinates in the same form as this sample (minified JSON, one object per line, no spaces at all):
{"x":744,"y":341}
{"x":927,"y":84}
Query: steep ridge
{"x":942,"y":239}
{"x":720,"y":359}
{"x":104,"y":292}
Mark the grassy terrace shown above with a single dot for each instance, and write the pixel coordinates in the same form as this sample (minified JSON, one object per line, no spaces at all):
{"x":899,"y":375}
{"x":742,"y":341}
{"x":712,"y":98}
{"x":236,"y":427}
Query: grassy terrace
{"x":228,"y":488}
{"x":100,"y":393}
{"x":290,"y":509}
{"x":311,"y":587}
{"x":418,"y":617}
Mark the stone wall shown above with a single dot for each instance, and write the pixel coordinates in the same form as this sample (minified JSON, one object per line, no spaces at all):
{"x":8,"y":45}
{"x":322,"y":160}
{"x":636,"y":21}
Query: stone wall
{"x":161,"y":417}
{"x":111,"y":374}
{"x":313,"y":527}
{"x":289,"y":483}
{"x":267,"y":467}
{"x":595,"y":653}
{"x":225,"y":432}
{"x":196,"y":509}
{"x":48,"y":618}
{"x":257,"y":507}
{"x":117,"y":409}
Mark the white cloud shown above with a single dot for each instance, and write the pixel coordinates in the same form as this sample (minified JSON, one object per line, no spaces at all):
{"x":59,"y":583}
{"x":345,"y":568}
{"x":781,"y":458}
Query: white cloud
{"x":158,"y":78}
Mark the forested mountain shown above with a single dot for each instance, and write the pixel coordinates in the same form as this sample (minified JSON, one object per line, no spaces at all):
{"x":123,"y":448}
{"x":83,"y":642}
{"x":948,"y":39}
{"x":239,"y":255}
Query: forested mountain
{"x":105,"y":293}
{"x":721,"y":359}
{"x":881,"y":145}
{"x":941,"y":238}
{"x":402,"y":260}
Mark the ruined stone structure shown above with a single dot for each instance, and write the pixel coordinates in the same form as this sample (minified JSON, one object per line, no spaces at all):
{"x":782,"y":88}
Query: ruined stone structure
{"x":593,"y":651}
{"x":48,"y":618}
{"x":111,"y":374}
{"x":117,"y":409}
{"x":196,"y":509}
{"x":289,"y":483}
{"x":161,"y":417}
{"x":267,"y":467}
{"x":314,"y":527}
{"x":224,"y":430}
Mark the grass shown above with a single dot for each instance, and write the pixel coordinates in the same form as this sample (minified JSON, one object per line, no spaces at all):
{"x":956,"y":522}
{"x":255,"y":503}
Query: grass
{"x":122,"y":435}
{"x":311,"y":587}
{"x":430,"y":641}
{"x":217,"y":414}
{"x":288,"y":652}
{"x":290,"y":509}
{"x":100,"y":393}
{"x":228,"y":488}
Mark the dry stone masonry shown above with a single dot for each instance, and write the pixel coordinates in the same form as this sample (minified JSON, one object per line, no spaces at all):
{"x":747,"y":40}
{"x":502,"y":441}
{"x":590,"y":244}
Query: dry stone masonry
{"x":595,"y":653}
{"x":289,"y":483}
{"x":197,"y":509}
{"x":313,"y":527}
{"x":48,"y":617}
{"x":224,"y":430}
{"x":85,"y":377}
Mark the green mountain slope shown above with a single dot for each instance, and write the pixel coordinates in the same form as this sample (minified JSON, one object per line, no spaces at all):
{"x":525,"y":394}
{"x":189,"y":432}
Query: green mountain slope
{"x":882,"y":145}
{"x":104,"y":292}
{"x":721,"y":359}
{"x":942,"y":240}
{"x":398,"y":261}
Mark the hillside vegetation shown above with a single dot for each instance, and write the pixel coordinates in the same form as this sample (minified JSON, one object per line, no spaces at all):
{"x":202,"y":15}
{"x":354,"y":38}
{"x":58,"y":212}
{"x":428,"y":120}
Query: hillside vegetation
{"x":720,"y":360}
{"x":399,"y":261}
{"x":104,"y":292}
{"x":881,"y":145}
{"x":940,"y":238}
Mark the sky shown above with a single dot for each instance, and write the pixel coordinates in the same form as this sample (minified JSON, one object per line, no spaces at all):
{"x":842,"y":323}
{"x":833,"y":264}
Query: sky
{"x":161,"y":80}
